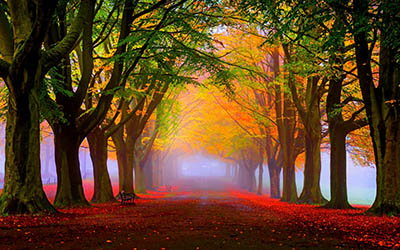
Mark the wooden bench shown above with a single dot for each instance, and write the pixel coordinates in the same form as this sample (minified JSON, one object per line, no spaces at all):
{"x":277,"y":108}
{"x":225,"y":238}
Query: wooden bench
{"x":127,"y":198}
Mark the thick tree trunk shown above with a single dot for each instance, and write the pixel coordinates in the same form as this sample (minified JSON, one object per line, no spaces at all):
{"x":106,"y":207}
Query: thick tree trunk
{"x":148,"y":174}
{"x":140,"y":185}
{"x":156,"y":171}
{"x":125,"y":172}
{"x":289,"y":193}
{"x":20,"y":45}
{"x":260,"y":179}
{"x":337,"y":135}
{"x":311,"y":193}
{"x":385,"y":132}
{"x":98,"y":153}
{"x":242,"y":177}
{"x":69,"y":180}
{"x":382,"y":105}
{"x":338,"y":170}
{"x":286,"y":130}
{"x":252,"y":180}
{"x":274,"y":178}
{"x":23,"y":191}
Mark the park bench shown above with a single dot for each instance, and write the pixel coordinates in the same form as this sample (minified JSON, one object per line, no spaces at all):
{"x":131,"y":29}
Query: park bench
{"x":127,"y":198}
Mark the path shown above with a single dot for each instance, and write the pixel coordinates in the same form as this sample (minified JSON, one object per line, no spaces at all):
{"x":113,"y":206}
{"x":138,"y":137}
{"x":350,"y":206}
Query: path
{"x":196,"y":220}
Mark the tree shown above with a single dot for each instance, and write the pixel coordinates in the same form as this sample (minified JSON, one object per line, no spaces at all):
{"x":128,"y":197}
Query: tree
{"x":381,"y":98}
{"x":23,"y":66}
{"x":338,"y":127}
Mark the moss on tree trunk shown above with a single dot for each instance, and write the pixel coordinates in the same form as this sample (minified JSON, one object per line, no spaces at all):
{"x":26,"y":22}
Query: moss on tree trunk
{"x":23,"y":190}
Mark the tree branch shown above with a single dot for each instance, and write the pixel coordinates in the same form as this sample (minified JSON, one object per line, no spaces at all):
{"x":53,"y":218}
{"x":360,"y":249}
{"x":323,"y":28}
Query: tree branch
{"x":6,"y":38}
{"x":54,"y":55}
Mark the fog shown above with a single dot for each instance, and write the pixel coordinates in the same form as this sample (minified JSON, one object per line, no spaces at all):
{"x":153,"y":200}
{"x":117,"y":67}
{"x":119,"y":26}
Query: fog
{"x":202,"y":166}
{"x":206,"y":172}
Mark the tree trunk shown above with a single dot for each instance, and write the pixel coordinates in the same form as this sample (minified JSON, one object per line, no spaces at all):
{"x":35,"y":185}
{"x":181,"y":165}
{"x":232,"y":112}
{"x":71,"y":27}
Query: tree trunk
{"x":98,"y":153}
{"x":338,"y":170}
{"x":252,"y":180}
{"x":242,"y":177}
{"x":311,"y":193}
{"x":156,"y":171}
{"x":286,"y":130}
{"x":125,"y":172}
{"x":260,"y":179}
{"x":289,"y":193}
{"x":23,"y":190}
{"x":382,"y":104}
{"x":227,"y":170}
{"x":21,"y":41}
{"x":69,"y":180}
{"x":337,"y":133}
{"x":274,"y":178}
{"x":140,"y":185}
{"x":149,"y":173}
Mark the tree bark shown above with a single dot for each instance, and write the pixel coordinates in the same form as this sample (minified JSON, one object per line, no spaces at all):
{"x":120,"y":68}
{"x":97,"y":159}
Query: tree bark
{"x":289,"y":152}
{"x":311,"y":193}
{"x":23,"y":191}
{"x":149,"y":173}
{"x":140,"y":185}
{"x":125,"y":171}
{"x":338,"y":177}
{"x":286,"y":130}
{"x":260,"y":179}
{"x":21,"y":70}
{"x":382,"y":105}
{"x":337,"y":130}
{"x":69,"y":180}
{"x":98,"y":153}
{"x":243,"y":179}
{"x":274,"y":178}
{"x":252,"y":180}
{"x":289,"y":193}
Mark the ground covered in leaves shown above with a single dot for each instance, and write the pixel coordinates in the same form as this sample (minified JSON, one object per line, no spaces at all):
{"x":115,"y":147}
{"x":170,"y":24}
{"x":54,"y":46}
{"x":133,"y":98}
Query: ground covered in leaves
{"x":200,"y":220}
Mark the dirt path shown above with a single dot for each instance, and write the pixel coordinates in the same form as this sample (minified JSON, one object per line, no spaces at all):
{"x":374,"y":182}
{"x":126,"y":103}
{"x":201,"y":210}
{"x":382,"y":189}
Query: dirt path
{"x":201,"y":220}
